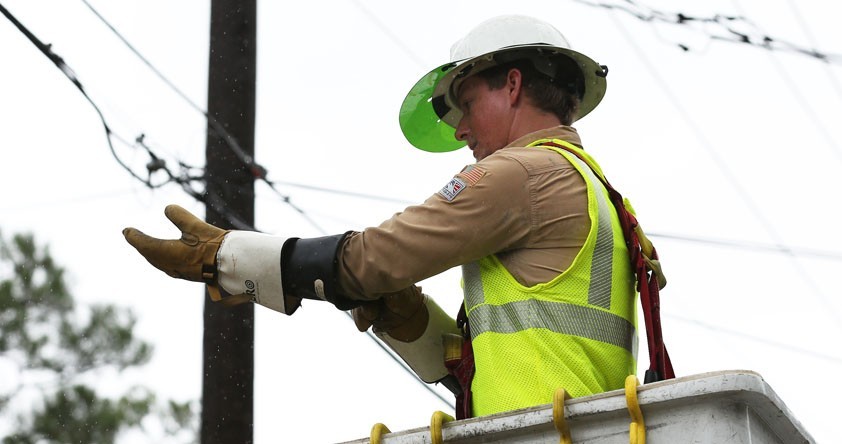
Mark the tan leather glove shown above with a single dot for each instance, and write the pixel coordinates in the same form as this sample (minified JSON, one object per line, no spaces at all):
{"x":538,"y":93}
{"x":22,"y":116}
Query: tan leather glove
{"x":403,"y":315}
{"x":412,"y":325}
{"x":192,"y":257}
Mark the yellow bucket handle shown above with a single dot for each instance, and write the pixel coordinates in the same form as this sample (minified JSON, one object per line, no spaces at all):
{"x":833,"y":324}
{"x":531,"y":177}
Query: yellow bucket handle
{"x":377,"y":431}
{"x":637,"y":428}
{"x":436,"y":422}
{"x":560,"y":423}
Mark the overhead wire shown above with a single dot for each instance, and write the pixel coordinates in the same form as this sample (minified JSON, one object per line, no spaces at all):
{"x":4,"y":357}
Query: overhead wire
{"x":726,"y":171}
{"x":260,"y":172}
{"x":215,"y":125}
{"x":221,"y":209}
{"x":759,"y":39}
{"x":56,"y":201}
{"x":346,"y":193}
{"x":649,"y":15}
{"x":726,"y":23}
{"x":762,"y":340}
{"x":809,"y":111}
{"x":71,"y":75}
{"x":257,"y":170}
{"x":735,"y":244}
{"x":834,"y":81}
{"x":750,"y":246}
{"x":388,"y":32}
{"x":210,"y":199}
{"x":728,"y":243}
{"x":145,"y":61}
{"x":652,"y":14}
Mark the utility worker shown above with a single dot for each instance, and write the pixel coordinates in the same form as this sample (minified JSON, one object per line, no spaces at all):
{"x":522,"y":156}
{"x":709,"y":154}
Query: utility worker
{"x":549,"y":290}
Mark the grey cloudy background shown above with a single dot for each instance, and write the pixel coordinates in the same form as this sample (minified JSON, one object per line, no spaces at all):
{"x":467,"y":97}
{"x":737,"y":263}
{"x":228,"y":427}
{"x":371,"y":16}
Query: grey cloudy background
{"x":728,"y":152}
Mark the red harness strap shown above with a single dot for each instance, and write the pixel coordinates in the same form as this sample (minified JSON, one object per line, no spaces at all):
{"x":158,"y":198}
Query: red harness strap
{"x":463,"y":368}
{"x":660,"y":366}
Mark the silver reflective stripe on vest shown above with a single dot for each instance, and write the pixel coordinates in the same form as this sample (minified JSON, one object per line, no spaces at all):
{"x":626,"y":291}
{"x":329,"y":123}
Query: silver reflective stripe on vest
{"x":599,"y":292}
{"x":472,"y":280}
{"x":558,"y":317}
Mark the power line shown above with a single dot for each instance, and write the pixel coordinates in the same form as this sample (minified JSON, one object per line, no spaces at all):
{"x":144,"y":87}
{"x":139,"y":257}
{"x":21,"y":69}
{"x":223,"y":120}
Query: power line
{"x":156,"y":164}
{"x":736,"y":244}
{"x":723,"y":166}
{"x":650,"y":15}
{"x":243,"y":226}
{"x":146,"y":61}
{"x":71,"y":75}
{"x":256,"y":170}
{"x":286,"y":198}
{"x":779,"y":345}
{"x":400,"y":362}
{"x":809,"y":111}
{"x":812,"y":40}
{"x":259,"y":171}
{"x":67,"y":201}
{"x":388,"y":32}
{"x":754,"y":246}
{"x":346,"y":193}
{"x":727,"y":24}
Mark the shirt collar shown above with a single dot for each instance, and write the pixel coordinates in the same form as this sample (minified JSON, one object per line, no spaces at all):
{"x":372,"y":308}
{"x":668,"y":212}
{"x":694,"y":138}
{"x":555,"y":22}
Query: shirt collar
{"x":566,"y":133}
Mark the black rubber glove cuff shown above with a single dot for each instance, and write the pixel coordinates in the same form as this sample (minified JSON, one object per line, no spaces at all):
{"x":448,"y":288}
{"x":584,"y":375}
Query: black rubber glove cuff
{"x":309,"y":269}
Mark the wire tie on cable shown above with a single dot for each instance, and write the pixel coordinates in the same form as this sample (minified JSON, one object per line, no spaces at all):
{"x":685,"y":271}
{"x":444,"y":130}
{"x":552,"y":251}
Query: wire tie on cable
{"x":559,"y":421}
{"x":637,"y":428}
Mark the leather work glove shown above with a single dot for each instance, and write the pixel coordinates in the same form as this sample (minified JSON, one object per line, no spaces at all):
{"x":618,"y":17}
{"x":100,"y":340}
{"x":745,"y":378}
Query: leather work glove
{"x":402,"y":315}
{"x":192,"y":257}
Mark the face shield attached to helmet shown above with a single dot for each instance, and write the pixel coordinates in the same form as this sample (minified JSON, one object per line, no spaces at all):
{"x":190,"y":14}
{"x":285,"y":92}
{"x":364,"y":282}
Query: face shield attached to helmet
{"x":420,"y":120}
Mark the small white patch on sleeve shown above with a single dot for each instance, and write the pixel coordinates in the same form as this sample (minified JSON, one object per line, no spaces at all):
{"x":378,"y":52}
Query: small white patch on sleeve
{"x":453,"y":188}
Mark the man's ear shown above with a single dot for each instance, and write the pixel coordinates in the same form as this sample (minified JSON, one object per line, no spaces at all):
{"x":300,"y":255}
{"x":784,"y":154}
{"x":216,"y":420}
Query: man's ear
{"x":514,"y":85}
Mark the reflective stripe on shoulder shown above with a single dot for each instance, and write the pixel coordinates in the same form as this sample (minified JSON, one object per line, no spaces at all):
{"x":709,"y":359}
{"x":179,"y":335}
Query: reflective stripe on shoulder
{"x":599,"y":290}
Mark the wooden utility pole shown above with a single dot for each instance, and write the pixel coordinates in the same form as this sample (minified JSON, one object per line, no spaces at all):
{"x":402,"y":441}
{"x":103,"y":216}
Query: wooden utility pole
{"x":228,"y":344}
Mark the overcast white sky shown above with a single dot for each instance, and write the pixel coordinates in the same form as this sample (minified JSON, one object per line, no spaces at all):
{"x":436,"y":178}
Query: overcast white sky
{"x":725,"y":142}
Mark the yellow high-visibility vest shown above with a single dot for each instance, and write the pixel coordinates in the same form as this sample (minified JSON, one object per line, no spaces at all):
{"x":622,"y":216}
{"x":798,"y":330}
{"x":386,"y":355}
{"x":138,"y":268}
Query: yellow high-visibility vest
{"x":577,"y":331}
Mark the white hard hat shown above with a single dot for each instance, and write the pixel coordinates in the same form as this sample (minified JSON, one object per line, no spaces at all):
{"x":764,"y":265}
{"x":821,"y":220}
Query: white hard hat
{"x":429,"y":113}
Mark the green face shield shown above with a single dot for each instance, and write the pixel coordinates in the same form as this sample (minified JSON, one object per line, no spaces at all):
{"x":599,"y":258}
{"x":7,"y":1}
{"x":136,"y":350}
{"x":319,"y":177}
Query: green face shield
{"x":421,"y":126}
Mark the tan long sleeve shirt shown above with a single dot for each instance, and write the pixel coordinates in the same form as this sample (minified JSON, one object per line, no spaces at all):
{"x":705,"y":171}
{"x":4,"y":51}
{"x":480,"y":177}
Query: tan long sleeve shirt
{"x":526,"y":205}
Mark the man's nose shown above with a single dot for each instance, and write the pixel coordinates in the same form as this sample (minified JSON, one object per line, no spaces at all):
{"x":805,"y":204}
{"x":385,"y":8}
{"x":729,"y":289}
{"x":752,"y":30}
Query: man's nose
{"x":461,"y":130}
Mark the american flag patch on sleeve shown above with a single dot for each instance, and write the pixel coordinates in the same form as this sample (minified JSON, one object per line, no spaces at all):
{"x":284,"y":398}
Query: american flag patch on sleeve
{"x":472,"y":174}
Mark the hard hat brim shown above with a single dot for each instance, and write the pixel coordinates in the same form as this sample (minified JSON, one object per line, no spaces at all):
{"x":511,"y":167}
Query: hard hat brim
{"x":429,"y":113}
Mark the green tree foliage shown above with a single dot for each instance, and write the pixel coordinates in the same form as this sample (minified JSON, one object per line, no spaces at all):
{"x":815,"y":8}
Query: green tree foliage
{"x":57,"y":349}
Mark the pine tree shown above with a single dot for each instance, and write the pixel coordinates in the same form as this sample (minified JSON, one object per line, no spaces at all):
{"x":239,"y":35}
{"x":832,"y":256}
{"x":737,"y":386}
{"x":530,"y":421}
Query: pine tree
{"x":57,"y":348}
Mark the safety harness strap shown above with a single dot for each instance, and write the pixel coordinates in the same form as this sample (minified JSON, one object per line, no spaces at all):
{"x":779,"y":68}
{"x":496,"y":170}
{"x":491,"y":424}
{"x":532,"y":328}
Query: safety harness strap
{"x":644,"y":260}
{"x":650,"y":279}
{"x":461,"y":366}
